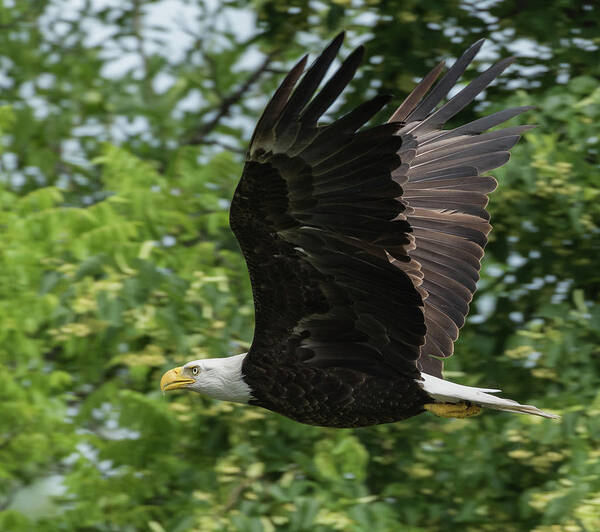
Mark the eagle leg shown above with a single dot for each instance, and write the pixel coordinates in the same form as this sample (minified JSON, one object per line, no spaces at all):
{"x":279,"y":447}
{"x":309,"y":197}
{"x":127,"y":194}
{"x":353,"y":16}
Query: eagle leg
{"x":459,"y":410}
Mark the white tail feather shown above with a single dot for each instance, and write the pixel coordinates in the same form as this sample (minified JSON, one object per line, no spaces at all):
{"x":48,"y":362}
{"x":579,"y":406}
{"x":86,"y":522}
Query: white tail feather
{"x":450,"y":392}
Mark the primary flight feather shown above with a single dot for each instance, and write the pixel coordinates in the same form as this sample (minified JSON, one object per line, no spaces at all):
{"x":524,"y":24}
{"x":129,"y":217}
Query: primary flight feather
{"x":363,"y":247}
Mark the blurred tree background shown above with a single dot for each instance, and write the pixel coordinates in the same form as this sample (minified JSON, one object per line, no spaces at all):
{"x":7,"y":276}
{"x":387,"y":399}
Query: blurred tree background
{"x":123,"y":129}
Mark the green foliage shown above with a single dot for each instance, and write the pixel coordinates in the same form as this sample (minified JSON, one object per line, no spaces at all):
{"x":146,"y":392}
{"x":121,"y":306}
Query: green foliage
{"x":117,"y":263}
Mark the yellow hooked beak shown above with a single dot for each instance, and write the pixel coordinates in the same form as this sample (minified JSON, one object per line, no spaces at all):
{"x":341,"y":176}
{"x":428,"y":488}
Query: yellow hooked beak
{"x":174,"y":379}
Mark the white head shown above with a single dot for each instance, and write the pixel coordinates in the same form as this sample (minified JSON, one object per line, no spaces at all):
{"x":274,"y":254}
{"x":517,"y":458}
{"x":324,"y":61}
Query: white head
{"x":219,"y":378}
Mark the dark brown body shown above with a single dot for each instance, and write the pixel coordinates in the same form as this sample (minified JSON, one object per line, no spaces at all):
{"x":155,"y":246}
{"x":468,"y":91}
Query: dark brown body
{"x":334,"y":397}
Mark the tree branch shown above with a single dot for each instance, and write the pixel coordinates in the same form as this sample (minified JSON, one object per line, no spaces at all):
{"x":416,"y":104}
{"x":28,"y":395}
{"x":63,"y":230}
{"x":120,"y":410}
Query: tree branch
{"x":224,"y":145}
{"x":139,"y":40}
{"x":199,"y":136}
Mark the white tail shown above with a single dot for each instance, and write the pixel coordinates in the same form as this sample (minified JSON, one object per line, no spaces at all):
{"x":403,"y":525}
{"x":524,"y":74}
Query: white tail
{"x":450,"y":392}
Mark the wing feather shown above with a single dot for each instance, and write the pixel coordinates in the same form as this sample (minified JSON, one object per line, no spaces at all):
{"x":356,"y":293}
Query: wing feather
{"x":318,"y":215}
{"x":439,"y":92}
{"x":446,"y":195}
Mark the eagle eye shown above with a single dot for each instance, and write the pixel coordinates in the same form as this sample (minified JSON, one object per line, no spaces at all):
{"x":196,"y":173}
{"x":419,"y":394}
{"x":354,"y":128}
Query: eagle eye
{"x":195,"y":370}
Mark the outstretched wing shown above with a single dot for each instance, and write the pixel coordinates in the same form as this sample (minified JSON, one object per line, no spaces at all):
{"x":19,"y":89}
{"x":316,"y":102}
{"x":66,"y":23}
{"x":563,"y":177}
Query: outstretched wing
{"x":318,"y":219}
{"x":445,"y":193}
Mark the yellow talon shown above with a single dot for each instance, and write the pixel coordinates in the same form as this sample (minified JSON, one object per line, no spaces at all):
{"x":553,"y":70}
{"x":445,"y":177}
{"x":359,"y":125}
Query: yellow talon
{"x":453,"y":409}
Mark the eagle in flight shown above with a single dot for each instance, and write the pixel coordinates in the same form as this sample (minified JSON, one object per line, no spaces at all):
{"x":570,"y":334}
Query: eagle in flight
{"x":363,"y":246}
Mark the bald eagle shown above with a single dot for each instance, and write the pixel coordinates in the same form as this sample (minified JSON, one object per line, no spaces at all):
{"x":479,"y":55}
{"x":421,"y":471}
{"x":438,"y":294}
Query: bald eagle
{"x":363,"y":246}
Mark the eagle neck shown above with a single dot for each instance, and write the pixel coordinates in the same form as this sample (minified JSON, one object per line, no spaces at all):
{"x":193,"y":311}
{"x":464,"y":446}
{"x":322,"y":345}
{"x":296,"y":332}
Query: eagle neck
{"x":222,"y":379}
